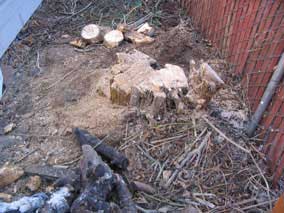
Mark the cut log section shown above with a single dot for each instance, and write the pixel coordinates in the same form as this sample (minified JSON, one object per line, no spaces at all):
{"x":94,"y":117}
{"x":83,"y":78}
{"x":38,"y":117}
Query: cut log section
{"x":138,"y":39}
{"x":59,"y":201}
{"x":115,"y":158}
{"x":25,"y":204}
{"x":92,"y":34}
{"x":113,"y":38}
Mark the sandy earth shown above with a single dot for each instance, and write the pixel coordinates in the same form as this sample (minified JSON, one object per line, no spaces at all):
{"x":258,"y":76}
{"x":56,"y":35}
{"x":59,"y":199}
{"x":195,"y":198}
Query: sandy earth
{"x":57,"y":90}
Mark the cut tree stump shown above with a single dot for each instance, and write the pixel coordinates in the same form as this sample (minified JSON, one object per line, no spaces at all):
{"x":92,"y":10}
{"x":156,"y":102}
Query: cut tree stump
{"x":137,"y":83}
{"x":204,"y":84}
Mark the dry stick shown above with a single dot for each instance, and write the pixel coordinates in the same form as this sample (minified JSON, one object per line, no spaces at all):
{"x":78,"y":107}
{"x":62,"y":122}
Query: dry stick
{"x":189,"y":157}
{"x":25,"y":156}
{"x":168,"y":139}
{"x":187,"y":149}
{"x":224,"y":136}
{"x":146,"y":210}
{"x":61,"y":79}
{"x":196,"y":140}
{"x":136,"y":24}
{"x":82,"y":10}
{"x":259,"y":204}
{"x":263,"y":177}
{"x":246,"y":151}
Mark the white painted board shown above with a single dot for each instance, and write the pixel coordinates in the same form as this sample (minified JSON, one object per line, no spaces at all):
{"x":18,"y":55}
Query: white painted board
{"x":13,"y":16}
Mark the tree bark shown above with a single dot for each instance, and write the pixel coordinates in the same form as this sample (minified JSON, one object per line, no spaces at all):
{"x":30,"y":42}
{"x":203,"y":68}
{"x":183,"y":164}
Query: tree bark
{"x":106,"y":151}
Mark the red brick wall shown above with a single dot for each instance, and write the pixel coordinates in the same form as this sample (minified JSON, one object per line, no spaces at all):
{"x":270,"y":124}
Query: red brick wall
{"x":250,"y":35}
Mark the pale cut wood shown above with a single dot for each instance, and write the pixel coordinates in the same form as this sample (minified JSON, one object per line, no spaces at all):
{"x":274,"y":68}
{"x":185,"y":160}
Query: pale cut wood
{"x":146,"y":29}
{"x":92,"y":34}
{"x":204,"y":84}
{"x":113,"y":38}
{"x":138,"y":38}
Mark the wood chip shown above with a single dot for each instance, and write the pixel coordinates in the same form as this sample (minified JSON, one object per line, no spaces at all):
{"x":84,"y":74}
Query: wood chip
{"x":9,"y":128}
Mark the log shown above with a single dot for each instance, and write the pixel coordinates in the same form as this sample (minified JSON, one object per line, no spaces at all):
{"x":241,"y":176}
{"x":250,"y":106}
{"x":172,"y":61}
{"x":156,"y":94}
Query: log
{"x":97,"y":181}
{"x":91,"y":33}
{"x":113,"y":38}
{"x":25,"y":204}
{"x":126,"y":203}
{"x":143,"y":187}
{"x":116,"y":159}
{"x":49,"y":172}
{"x":59,"y":201}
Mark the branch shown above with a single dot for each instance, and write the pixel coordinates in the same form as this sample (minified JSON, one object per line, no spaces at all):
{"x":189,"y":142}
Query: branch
{"x":116,"y":158}
{"x":196,"y":153}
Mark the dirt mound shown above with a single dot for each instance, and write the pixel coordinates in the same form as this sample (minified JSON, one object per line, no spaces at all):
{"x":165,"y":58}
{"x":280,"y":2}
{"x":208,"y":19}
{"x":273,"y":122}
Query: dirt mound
{"x":178,"y":45}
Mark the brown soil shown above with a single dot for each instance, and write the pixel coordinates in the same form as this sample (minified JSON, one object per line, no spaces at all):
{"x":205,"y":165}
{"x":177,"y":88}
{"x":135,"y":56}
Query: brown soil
{"x":54,"y":89}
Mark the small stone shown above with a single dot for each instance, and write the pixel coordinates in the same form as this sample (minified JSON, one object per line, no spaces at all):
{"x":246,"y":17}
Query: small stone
{"x":34,"y":183}
{"x":68,"y":131}
{"x":5,"y":197}
{"x":9,"y":128}
{"x":9,"y":174}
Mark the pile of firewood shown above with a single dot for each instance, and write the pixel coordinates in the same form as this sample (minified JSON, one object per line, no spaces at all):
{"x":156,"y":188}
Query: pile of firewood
{"x":138,"y":33}
{"x":94,"y":187}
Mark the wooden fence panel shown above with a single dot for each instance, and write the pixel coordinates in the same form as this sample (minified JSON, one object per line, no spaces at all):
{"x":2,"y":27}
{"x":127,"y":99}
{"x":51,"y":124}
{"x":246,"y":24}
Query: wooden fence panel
{"x":250,"y":36}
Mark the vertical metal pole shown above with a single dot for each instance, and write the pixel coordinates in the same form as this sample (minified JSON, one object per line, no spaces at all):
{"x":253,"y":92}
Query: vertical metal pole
{"x":267,"y":96}
{"x":1,"y":83}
